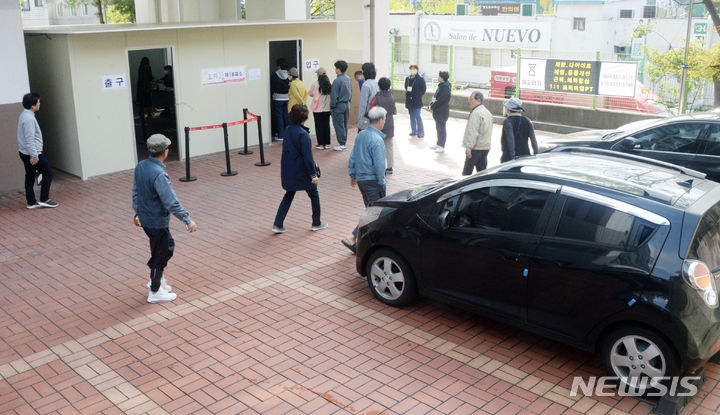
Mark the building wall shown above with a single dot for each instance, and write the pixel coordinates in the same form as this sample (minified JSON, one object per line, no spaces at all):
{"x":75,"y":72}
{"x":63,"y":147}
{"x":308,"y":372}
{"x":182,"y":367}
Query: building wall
{"x":57,"y":113}
{"x":13,"y":85}
{"x":102,"y":132}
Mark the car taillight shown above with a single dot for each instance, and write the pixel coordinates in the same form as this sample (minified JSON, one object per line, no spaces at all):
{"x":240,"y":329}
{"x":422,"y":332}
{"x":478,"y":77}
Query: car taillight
{"x":698,"y":275}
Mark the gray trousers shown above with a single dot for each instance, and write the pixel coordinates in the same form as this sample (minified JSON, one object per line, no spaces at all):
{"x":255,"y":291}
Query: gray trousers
{"x":340,"y":117}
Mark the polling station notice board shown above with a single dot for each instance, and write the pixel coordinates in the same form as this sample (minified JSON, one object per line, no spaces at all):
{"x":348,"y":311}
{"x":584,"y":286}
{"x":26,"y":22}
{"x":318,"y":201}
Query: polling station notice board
{"x":579,"y":77}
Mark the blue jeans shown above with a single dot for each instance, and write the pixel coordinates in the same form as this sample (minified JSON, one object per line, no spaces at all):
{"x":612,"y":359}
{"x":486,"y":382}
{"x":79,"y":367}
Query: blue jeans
{"x":287,"y":201}
{"x":282,"y":117}
{"x":416,"y":124}
{"x":340,"y":117}
{"x":371,"y":191}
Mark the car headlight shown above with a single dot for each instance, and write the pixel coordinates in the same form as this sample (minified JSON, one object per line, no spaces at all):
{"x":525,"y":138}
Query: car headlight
{"x":544,"y":148}
{"x":373,"y":213}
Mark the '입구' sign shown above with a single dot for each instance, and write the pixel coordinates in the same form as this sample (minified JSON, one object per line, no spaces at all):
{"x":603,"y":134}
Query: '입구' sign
{"x":579,"y":77}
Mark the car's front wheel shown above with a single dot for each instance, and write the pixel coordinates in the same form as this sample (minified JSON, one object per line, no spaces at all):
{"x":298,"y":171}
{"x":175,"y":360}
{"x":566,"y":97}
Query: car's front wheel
{"x":390,"y":279}
{"x":636,"y":355}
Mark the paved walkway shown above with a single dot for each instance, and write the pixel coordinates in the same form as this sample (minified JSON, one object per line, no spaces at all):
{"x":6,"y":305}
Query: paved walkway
{"x":263,"y":323}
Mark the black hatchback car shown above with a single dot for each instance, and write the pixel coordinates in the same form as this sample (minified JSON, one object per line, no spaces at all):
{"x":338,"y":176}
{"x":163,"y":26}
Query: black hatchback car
{"x":692,"y":141}
{"x":602,"y":250}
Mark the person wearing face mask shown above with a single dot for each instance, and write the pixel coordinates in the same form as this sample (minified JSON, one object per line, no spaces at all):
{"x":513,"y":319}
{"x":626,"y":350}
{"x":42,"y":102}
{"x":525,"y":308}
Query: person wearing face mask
{"x":414,"y":91}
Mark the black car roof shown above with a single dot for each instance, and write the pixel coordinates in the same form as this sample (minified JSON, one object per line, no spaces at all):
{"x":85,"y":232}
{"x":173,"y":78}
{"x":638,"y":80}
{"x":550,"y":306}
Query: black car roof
{"x":698,"y":116}
{"x":607,"y":169}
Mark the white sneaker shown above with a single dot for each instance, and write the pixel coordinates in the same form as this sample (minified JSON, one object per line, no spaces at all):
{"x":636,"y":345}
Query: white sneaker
{"x":319,"y":227}
{"x":439,"y":149}
{"x":320,"y":147}
{"x":433,"y":147}
{"x":163,"y":284}
{"x":339,"y":148}
{"x":278,"y":229}
{"x":161,"y":296}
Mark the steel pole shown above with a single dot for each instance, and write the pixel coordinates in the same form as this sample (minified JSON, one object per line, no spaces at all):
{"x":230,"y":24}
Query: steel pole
{"x":683,"y":80}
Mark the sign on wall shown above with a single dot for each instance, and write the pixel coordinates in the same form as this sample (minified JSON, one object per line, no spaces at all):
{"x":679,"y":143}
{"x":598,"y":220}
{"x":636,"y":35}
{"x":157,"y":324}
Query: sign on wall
{"x":579,"y":77}
{"x":114,"y":82}
{"x":494,"y":35}
{"x":312,"y":64}
{"x":218,"y":76}
{"x":494,"y":9}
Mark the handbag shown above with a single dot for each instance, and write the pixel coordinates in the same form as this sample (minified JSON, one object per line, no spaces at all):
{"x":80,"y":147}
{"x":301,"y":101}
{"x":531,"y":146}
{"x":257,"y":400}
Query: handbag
{"x":364,"y":122}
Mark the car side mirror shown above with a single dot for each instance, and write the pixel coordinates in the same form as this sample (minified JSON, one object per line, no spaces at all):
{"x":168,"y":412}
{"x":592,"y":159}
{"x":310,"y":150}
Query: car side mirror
{"x":628,"y":143}
{"x":444,"y":220}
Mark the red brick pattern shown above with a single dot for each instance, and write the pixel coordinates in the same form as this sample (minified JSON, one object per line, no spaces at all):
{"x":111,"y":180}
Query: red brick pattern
{"x":263,"y":323}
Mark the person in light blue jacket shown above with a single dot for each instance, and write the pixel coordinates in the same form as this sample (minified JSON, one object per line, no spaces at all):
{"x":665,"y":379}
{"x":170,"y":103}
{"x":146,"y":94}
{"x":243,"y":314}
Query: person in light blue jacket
{"x":367,"y":165}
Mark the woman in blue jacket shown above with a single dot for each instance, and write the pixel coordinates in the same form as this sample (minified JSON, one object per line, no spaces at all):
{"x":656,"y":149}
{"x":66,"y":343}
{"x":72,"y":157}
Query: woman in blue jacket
{"x":297,"y":169}
{"x":414,"y":91}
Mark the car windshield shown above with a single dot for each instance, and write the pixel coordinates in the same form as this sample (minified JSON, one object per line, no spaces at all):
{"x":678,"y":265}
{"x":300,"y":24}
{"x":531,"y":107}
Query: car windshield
{"x":635,"y":125}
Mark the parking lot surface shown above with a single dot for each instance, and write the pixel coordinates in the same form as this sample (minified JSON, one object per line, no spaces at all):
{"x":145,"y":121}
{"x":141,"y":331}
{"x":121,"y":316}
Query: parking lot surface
{"x":263,"y":323}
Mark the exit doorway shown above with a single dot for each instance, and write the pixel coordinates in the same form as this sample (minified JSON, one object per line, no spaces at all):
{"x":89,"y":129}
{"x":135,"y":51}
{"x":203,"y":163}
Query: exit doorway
{"x":152,"y":82}
{"x":291,"y":51}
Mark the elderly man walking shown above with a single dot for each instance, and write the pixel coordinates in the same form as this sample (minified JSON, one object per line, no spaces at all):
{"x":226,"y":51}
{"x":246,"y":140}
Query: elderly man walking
{"x":478,"y":133}
{"x":153,"y":201}
{"x":367,"y":165}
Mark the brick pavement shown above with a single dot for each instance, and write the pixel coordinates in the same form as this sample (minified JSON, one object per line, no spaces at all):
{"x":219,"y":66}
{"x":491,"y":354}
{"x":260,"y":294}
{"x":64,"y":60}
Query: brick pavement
{"x":263,"y":323}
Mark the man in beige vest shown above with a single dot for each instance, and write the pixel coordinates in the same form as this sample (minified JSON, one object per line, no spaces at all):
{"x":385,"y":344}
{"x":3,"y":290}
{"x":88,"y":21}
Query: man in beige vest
{"x":478,"y":133}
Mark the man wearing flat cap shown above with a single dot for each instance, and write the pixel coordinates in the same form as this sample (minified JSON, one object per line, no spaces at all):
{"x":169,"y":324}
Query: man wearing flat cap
{"x":517,"y":130}
{"x":153,"y":201}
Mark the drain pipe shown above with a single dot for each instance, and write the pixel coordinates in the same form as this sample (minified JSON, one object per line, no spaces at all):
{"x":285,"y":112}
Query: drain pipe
{"x":419,"y":14}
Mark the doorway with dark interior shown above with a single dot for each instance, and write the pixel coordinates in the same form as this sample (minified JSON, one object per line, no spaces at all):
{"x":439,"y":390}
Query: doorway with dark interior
{"x":291,"y":51}
{"x":153,"y":97}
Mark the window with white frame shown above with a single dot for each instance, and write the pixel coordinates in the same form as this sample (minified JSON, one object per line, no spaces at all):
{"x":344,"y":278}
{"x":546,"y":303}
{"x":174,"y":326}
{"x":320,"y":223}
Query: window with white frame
{"x":481,"y":57}
{"x":83,"y":9}
{"x":25,"y":5}
{"x":579,"y":24}
{"x":59,"y":10}
{"x":439,"y":54}
{"x":402,"y":48}
{"x":73,"y":11}
{"x":38,"y":3}
{"x":649,"y":12}
{"x":626,"y":13}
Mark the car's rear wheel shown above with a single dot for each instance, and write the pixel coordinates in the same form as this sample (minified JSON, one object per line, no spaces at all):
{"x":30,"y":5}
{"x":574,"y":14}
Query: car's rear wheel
{"x":390,"y":278}
{"x":635,"y":355}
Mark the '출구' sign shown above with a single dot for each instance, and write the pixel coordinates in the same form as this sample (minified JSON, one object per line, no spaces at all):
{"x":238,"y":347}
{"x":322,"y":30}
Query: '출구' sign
{"x":510,"y":35}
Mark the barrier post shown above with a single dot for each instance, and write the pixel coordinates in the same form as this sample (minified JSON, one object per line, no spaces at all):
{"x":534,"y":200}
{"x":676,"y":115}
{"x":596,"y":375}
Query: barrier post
{"x":245,"y":151}
{"x":227,"y":172}
{"x":187,"y":177}
{"x":262,"y":161}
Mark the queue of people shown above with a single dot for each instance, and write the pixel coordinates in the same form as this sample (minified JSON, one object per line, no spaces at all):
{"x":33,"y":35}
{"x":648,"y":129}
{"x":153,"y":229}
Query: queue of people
{"x":371,"y":158}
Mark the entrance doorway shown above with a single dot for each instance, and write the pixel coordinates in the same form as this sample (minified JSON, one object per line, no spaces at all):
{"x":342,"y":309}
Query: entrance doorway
{"x":153,"y":96}
{"x":291,"y":51}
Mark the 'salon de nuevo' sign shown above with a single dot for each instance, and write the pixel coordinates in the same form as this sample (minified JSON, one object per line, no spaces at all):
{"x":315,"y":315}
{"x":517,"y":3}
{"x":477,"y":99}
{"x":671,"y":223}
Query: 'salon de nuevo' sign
{"x":508,"y":35}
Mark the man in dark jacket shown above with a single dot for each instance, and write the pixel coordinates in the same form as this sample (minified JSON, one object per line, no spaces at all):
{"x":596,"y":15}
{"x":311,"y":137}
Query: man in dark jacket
{"x":385,"y":99}
{"x":279,"y":87}
{"x":414,"y":91}
{"x":440,"y":107}
{"x":153,"y":201}
{"x":517,"y":130}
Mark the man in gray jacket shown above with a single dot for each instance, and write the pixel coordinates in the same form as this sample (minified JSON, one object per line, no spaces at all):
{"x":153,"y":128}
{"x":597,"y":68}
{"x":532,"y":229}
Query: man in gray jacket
{"x":30,"y":147}
{"x":153,"y":200}
{"x":478,"y":133}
